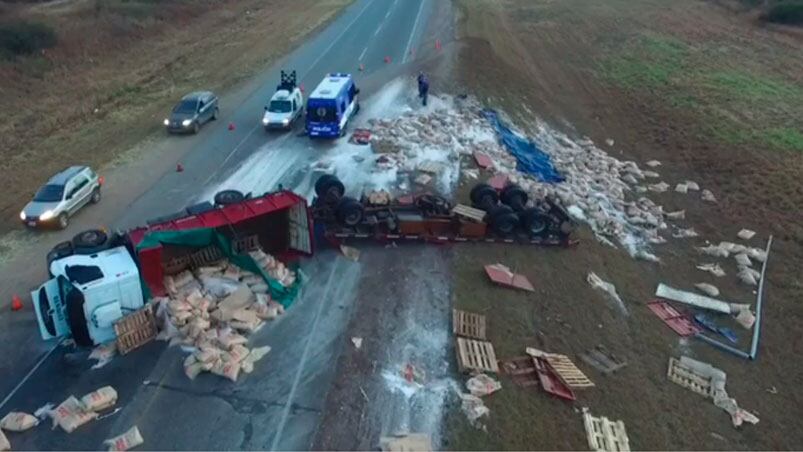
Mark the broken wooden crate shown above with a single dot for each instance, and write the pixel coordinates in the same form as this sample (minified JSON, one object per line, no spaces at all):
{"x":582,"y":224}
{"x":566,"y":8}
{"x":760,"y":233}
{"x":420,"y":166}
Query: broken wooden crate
{"x":604,"y":434}
{"x":564,"y":367}
{"x":468,"y":324}
{"x":135,"y":330}
{"x":469,"y":213}
{"x":475,"y":355}
{"x":673,"y":318}
{"x":689,"y":379}
{"x":603,"y":360}
{"x":521,"y":369}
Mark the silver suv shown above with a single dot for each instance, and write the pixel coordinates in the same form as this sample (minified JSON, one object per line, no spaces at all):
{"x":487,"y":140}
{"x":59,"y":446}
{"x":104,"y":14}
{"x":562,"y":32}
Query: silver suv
{"x":61,"y":197}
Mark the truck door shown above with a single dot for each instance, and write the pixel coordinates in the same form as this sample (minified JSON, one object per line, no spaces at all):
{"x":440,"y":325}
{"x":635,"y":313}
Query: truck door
{"x":299,"y":231}
{"x":49,"y":306}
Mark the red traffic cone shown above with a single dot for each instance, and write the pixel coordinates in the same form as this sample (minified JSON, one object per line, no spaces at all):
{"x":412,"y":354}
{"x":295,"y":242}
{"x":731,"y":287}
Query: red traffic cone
{"x":16,"y":303}
{"x":231,"y":126}
{"x":362,"y":67}
{"x":301,"y":87}
{"x":179,"y":167}
{"x":387,"y":59}
{"x":437,"y":44}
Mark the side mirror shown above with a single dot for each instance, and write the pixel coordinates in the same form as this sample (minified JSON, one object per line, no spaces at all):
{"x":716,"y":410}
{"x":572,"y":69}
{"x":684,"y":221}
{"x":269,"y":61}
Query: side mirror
{"x":68,"y":197}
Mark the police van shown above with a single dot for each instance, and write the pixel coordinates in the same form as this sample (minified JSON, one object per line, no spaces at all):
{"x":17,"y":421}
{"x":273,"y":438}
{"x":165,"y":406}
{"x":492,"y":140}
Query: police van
{"x":331,"y":105}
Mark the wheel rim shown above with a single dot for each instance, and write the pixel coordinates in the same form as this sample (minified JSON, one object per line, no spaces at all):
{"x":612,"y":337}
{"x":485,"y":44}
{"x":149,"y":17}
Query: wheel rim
{"x":537,"y":227}
{"x":352,"y":218}
{"x":63,"y":221}
{"x":89,"y":236}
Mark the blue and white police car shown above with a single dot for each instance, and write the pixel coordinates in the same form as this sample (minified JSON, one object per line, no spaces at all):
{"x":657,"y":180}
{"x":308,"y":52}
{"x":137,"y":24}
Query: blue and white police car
{"x":331,"y":105}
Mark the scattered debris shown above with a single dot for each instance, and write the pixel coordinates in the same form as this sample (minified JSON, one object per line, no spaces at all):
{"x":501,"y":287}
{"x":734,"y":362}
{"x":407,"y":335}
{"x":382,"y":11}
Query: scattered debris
{"x":679,"y":323}
{"x":4,"y":443}
{"x":128,"y":440}
{"x":746,"y":318}
{"x":71,"y":414}
{"x":660,"y":187}
{"x":743,"y":260}
{"x":470,"y":173}
{"x":696,"y":376}
{"x":746,"y":234}
{"x":43,"y":412}
{"x":550,"y":381}
{"x":103,"y":354}
{"x":430,"y":167}
{"x":423,"y":179}
{"x":360,"y":136}
{"x":772,"y":390}
{"x":418,"y":442}
{"x":502,"y":275}
{"x":685,"y":233}
{"x":706,"y":195}
{"x":474,"y":409}
{"x":379,"y":197}
{"x":476,"y":355}
{"x":350,"y":253}
{"x":691,"y":185}
{"x":714,"y":269}
{"x":708,"y":289}
{"x":712,"y":326}
{"x":681,"y":188}
{"x":609,"y":142}
{"x":669,"y":293}
{"x":714,"y":250}
{"x":748,"y":275}
{"x":99,"y":399}
{"x":482,"y":159}
{"x":482,"y":385}
{"x":597,"y":283}
{"x":604,"y":434}
{"x":653,"y":163}
{"x":602,"y":360}
{"x":564,"y":367}
{"x":135,"y":329}
{"x":468,"y":324}
{"x":17,"y":421}
{"x":521,"y":369}
{"x":357,"y":341}
{"x":677,"y":215}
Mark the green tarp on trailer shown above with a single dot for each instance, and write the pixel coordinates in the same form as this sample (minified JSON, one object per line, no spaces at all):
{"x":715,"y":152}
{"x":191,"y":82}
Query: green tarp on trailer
{"x":200,"y":238}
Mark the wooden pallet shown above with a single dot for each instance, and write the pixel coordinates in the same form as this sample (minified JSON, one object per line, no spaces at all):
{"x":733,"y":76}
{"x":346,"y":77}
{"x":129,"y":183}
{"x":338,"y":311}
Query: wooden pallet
{"x":521,"y":369}
{"x":468,"y":324}
{"x":476,"y":355}
{"x":135,"y":330}
{"x":604,"y":434}
{"x":411,"y":442}
{"x":206,"y":256}
{"x":603,"y":360}
{"x":469,"y":212}
{"x":564,"y":367}
{"x":245,"y":244}
{"x":686,"y":377}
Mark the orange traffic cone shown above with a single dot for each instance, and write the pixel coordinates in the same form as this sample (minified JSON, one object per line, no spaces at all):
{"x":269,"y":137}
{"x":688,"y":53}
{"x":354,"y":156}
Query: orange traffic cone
{"x":437,"y":44}
{"x":387,"y":59}
{"x":16,"y":303}
{"x":301,"y":87}
{"x":231,"y":126}
{"x":362,"y":67}
{"x":179,"y":167}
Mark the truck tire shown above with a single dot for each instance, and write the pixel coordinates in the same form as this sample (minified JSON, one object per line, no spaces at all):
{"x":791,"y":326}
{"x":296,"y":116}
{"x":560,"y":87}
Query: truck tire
{"x":201,"y":207}
{"x":349,"y":212}
{"x":515,"y":197}
{"x":535,"y":223}
{"x":90,"y":241}
{"x":328,"y":186}
{"x":228,"y":197}
{"x":76,"y":319}
{"x":59,"y":251}
{"x":503,"y":220}
{"x":484,"y":196}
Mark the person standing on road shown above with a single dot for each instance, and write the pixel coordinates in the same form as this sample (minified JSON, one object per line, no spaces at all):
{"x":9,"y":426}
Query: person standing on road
{"x":423,"y":87}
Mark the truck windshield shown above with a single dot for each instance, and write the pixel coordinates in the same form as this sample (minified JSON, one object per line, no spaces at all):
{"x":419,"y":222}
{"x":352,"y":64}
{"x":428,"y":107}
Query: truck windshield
{"x":322,"y":114}
{"x":83,"y":274}
{"x":49,"y":193}
{"x":280,"y":106}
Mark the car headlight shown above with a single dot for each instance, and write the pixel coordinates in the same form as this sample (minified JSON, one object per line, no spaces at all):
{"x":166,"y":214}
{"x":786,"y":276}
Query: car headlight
{"x":186,"y":122}
{"x":22,"y":216}
{"x":265,"y":121}
{"x":48,"y":214}
{"x":167,"y":122}
{"x":285,"y":121}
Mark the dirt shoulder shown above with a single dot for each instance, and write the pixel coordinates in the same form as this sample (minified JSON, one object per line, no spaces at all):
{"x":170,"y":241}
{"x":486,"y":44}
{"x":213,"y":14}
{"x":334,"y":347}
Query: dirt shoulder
{"x":119,"y":66}
{"x":713,"y":95}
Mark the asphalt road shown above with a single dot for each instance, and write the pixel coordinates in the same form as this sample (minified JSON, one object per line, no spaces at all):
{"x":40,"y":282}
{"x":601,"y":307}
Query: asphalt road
{"x":279,"y":405}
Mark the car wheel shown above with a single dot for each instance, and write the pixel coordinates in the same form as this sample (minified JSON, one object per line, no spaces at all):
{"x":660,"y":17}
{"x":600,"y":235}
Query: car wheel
{"x":64,"y":220}
{"x":90,"y":241}
{"x":96,"y":196}
{"x":514,"y":196}
{"x":215,"y":113}
{"x":484,"y":196}
{"x":503,"y":220}
{"x":228,"y":197}
{"x":196,"y":127}
{"x":328,"y":187}
{"x":349,"y":212}
{"x":534,"y":222}
{"x":77,"y":319}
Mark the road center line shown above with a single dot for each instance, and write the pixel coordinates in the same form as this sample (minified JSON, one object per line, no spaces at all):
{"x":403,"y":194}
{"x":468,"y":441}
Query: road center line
{"x":412,"y":33}
{"x":363,"y":53}
{"x":322,"y":301}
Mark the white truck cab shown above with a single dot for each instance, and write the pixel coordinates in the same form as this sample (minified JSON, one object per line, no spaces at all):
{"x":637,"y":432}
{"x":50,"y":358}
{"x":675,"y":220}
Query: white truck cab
{"x":285,"y":105}
{"x":87,"y":294}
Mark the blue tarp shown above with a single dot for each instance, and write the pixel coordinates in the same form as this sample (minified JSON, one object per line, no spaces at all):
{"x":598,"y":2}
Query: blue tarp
{"x":530,"y":159}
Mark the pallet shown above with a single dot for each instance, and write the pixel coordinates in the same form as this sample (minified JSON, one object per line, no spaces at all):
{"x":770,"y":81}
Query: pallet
{"x":476,"y":355}
{"x":604,"y":434}
{"x":679,"y":323}
{"x":469,"y":212}
{"x":564,"y":367}
{"x":468,"y":324}
{"x":418,"y":442}
{"x":135,"y":330}
{"x":245,"y":244}
{"x":686,"y":377}
{"x":206,"y":256}
{"x":602,"y":360}
{"x":550,"y":381}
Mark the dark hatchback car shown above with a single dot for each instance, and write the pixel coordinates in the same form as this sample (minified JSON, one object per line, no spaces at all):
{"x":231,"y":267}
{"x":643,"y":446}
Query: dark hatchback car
{"x":192,"y":112}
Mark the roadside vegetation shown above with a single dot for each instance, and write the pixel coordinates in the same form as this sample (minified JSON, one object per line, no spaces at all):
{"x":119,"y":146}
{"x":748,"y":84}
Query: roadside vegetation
{"x":24,"y":38}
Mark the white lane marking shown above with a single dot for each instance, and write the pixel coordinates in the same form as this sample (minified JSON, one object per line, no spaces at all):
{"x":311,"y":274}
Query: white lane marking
{"x":363,"y":53}
{"x":379,"y":28}
{"x":31,"y":372}
{"x":412,"y":34}
{"x":286,"y":413}
{"x":317,"y":60}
